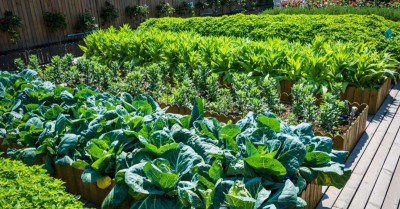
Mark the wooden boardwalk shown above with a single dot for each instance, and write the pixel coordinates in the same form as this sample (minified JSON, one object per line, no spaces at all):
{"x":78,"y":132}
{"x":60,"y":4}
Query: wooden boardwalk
{"x":375,"y":181}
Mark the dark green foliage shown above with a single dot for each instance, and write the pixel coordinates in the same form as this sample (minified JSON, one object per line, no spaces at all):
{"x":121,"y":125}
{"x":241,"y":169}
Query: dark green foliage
{"x":164,"y":10}
{"x":55,"y":21}
{"x":304,"y":102}
{"x":86,"y":22}
{"x":304,"y":28}
{"x":9,"y":23}
{"x":109,"y":12}
{"x":387,"y":13}
{"x":137,"y":11}
{"x":165,"y":160}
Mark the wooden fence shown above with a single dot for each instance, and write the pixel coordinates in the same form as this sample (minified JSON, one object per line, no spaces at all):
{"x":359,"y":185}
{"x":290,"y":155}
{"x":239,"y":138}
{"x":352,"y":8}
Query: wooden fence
{"x":34,"y":33}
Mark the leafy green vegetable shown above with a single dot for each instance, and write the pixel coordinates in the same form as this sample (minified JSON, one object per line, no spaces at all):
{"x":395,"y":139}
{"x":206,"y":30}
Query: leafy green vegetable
{"x":166,"y":160}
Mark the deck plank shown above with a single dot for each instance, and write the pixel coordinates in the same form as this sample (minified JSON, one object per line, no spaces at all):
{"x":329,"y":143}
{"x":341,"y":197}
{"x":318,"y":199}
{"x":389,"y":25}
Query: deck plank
{"x":392,"y":198}
{"x":378,"y":121}
{"x":383,"y":182}
{"x":376,"y":157}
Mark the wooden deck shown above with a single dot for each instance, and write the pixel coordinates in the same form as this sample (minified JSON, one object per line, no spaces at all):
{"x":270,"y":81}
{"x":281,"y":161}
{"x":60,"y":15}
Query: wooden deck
{"x":375,"y":181}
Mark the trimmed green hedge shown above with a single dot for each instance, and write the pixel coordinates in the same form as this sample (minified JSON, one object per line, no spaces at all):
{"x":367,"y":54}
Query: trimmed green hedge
{"x":323,"y":61}
{"x":304,"y":28}
{"x":387,"y":13}
{"x":24,"y":186}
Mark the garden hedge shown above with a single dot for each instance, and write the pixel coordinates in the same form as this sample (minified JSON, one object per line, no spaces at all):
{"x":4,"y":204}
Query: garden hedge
{"x":304,"y":28}
{"x":387,"y":13}
{"x":23,"y":186}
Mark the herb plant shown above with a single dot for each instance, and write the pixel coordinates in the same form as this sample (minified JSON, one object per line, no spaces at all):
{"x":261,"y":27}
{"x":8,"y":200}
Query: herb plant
{"x":9,"y":24}
{"x":86,"y":22}
{"x":164,"y":10}
{"x":109,"y":12}
{"x":23,"y":186}
{"x":137,"y":11}
{"x":55,"y":21}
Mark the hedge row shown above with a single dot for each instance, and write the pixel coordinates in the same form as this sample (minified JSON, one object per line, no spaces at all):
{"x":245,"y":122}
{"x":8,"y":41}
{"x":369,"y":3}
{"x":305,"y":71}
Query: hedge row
{"x":324,"y":62}
{"x":24,"y":186}
{"x":387,"y":13}
{"x":304,"y":28}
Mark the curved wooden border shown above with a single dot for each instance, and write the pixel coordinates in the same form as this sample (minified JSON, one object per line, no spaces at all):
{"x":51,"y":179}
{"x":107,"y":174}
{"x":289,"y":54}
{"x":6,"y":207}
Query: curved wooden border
{"x":345,"y":142}
{"x":312,"y":195}
{"x":349,"y":139}
{"x":372,"y":97}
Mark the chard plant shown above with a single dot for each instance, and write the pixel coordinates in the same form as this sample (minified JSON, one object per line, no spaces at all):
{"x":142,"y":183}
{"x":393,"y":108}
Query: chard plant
{"x":304,"y":102}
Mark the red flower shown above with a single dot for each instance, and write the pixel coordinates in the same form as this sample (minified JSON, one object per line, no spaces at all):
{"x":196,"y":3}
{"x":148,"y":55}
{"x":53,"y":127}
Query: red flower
{"x":284,"y":4}
{"x":353,"y":3}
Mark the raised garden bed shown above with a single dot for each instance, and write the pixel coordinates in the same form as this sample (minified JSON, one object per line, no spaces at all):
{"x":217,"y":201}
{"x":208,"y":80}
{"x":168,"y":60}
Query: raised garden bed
{"x":372,"y":97}
{"x":312,"y":195}
{"x":349,"y":139}
{"x":92,"y":193}
{"x":345,"y":141}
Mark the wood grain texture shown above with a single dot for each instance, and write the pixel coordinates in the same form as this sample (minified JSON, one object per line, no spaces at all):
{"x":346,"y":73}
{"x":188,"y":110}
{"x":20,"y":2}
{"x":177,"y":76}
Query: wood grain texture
{"x":374,"y":161}
{"x":34,"y":33}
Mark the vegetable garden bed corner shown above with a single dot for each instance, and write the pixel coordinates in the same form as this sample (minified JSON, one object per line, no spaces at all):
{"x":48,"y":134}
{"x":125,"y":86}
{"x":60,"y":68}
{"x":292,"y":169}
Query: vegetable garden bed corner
{"x":348,"y":140}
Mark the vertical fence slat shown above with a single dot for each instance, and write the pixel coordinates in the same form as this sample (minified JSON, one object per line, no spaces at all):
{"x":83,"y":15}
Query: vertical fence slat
{"x":35,"y":34}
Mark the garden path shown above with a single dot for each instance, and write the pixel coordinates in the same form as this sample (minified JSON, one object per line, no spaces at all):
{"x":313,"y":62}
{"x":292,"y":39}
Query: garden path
{"x":375,"y":180}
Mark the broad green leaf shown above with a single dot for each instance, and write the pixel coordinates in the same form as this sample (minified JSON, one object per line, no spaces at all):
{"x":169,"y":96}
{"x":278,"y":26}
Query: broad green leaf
{"x":80,"y":164}
{"x":53,"y":112}
{"x":182,"y":159}
{"x":69,"y":141}
{"x":239,"y":168}
{"x":229,"y":131}
{"x":136,"y":179}
{"x":197,"y":111}
{"x":238,"y":197}
{"x":334,"y":175}
{"x":116,"y":197}
{"x":292,"y":153}
{"x":157,"y":202}
{"x":317,"y":158}
{"x":102,"y":163}
{"x":216,"y":170}
{"x":285,"y":197}
{"x":164,"y":178}
{"x":90,"y":176}
{"x":272,"y":123}
{"x":266,"y":164}
{"x":187,"y":196}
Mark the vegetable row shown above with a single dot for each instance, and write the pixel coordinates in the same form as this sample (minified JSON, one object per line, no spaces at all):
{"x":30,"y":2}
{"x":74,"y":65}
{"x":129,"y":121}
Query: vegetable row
{"x":244,"y":94}
{"x":304,"y":28}
{"x":322,"y":62}
{"x":165,"y":160}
